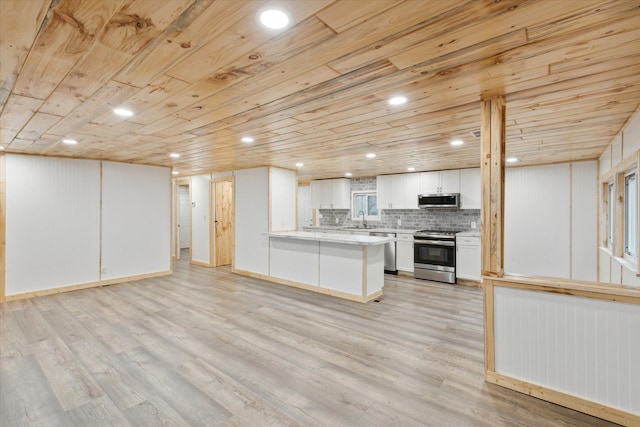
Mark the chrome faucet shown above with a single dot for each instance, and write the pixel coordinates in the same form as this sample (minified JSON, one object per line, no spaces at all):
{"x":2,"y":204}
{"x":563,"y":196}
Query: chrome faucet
{"x":364,"y":221}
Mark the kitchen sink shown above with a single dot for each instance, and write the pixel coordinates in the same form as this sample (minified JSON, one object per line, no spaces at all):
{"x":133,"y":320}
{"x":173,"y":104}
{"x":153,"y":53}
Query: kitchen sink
{"x":358,"y":227}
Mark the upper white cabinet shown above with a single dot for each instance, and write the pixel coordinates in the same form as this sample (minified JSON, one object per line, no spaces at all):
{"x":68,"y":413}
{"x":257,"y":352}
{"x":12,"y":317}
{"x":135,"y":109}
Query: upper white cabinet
{"x":470,"y":188}
{"x":398,"y":191}
{"x":331,"y":194}
{"x":440,"y":182}
{"x":384,"y":198}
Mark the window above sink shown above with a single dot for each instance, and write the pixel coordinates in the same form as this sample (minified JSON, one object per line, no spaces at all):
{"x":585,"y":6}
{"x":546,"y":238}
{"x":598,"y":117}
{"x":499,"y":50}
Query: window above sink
{"x":364,"y":202}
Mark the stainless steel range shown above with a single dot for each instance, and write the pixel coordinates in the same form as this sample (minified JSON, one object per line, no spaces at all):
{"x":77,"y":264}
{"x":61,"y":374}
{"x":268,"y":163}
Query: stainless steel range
{"x":435,"y":255}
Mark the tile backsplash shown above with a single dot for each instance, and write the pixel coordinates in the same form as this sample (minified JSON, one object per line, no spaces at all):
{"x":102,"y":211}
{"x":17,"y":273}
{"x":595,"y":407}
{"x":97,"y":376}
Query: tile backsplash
{"x":418,"y":219}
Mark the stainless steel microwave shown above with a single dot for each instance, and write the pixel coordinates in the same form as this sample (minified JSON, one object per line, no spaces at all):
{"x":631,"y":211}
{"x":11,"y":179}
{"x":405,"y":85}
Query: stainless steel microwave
{"x":439,"y":200}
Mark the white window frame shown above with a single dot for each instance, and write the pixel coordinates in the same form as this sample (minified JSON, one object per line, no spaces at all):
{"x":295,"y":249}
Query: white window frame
{"x":611,"y":199}
{"x":630,"y":220}
{"x":354,"y":211}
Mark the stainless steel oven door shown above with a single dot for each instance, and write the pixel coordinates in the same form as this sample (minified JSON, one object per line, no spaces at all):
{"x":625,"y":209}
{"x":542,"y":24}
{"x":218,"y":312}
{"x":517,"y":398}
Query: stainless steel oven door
{"x":434,"y":254}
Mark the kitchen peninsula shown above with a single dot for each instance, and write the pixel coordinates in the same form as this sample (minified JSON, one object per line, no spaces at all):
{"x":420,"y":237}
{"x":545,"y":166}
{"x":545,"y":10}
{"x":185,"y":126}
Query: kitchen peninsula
{"x":345,"y":266}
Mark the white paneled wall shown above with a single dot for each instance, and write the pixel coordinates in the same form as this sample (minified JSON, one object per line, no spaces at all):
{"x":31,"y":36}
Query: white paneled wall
{"x":537,"y":230}
{"x":631,"y":136}
{"x":584,"y":221}
{"x":284,"y":187}
{"x":251,"y":212}
{"x":581,"y":346}
{"x":605,"y":161}
{"x":135,"y":220}
{"x":52,"y":223}
{"x":67,"y":218}
{"x":304,"y":206}
{"x":551,"y":221}
{"x":623,"y":147}
{"x":200,"y":195}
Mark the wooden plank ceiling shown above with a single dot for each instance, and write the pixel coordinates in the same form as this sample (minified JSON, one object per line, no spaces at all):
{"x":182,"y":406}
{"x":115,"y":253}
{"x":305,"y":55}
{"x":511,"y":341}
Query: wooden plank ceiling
{"x":201,"y":74}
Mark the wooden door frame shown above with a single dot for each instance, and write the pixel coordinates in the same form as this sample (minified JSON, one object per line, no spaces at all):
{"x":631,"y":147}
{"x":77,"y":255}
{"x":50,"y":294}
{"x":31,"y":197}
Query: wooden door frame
{"x":176,"y":216}
{"x":212,"y":218}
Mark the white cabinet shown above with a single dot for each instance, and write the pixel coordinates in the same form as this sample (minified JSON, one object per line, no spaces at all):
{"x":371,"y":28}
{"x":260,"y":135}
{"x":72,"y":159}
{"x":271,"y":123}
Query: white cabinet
{"x":404,"y":252}
{"x":468,"y":257}
{"x":383,"y":192}
{"x":316,"y":194}
{"x":331,"y":194}
{"x":440,"y":182}
{"x":398,"y":191}
{"x":470,"y":189}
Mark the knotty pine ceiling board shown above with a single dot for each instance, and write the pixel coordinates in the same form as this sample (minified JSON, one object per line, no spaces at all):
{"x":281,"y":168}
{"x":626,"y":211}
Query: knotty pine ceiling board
{"x":200,"y":74}
{"x":20,"y":25}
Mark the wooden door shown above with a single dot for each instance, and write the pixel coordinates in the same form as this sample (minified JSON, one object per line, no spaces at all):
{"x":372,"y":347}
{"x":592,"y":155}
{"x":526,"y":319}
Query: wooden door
{"x":223,"y":223}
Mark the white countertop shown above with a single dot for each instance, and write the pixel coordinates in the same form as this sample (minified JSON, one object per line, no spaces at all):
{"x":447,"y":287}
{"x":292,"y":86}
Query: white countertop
{"x":468,"y":234}
{"x":383,"y":230}
{"x":348,"y":239}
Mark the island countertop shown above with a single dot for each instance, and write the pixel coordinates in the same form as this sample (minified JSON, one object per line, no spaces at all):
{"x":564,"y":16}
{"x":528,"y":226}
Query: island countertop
{"x":348,"y":239}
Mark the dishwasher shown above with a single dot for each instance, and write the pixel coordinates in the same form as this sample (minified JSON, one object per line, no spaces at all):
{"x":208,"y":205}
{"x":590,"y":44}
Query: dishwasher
{"x":389,"y":252}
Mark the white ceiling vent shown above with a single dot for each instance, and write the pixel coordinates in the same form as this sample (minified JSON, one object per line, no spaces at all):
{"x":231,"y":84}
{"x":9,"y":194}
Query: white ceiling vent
{"x":475,"y":133}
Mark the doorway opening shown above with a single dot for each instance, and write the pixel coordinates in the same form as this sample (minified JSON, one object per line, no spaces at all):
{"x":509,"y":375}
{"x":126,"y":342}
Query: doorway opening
{"x":183,"y":240}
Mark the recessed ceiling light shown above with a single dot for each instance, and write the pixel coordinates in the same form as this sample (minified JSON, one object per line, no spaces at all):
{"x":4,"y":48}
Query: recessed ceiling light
{"x":123,"y":112}
{"x":371,"y":155}
{"x":1,"y":148}
{"x":70,"y":141}
{"x":175,"y":172}
{"x":511,"y":159}
{"x":174,"y":155}
{"x":397,"y":100}
{"x":247,"y":139}
{"x":411,"y":169}
{"x":348,"y":174}
{"x":299,"y":164}
{"x":457,"y":142}
{"x":275,"y":19}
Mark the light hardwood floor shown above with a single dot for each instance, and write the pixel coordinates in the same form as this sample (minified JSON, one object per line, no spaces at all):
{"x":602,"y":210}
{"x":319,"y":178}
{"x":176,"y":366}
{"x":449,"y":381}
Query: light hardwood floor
{"x":207,"y":347}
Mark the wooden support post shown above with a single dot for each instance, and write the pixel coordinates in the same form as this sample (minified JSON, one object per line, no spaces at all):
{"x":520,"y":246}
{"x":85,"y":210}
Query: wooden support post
{"x":493,"y":141}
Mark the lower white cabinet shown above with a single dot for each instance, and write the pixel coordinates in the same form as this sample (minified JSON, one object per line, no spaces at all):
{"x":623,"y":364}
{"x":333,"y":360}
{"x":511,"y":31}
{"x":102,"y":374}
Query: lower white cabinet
{"x":404,"y":252}
{"x":468,"y":258}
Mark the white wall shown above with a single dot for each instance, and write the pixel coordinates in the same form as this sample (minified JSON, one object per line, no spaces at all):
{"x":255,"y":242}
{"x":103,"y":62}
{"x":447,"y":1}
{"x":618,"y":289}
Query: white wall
{"x":581,"y":346}
{"x":623,"y":146}
{"x":200,"y":196}
{"x":537,"y":228}
{"x":63,"y":215}
{"x":52,"y":223}
{"x":136,"y":207}
{"x":584,"y":221}
{"x":251,"y":212}
{"x":284,"y":188}
{"x":304,"y":206}
{"x":631,"y":136}
{"x":551,"y":221}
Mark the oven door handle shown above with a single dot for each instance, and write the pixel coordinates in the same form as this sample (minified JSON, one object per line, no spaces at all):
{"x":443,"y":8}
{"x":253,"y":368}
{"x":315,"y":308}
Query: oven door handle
{"x":435,"y":242}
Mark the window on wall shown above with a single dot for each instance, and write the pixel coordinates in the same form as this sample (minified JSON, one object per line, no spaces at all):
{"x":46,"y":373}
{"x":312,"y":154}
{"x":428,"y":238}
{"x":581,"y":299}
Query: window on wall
{"x":631,"y":214}
{"x":610,"y":206}
{"x":364,"y":202}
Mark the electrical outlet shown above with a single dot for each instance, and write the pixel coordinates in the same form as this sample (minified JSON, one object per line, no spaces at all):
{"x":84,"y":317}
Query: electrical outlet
{"x":337,"y":221}
{"x":399,"y":222}
{"x":473,"y":225}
